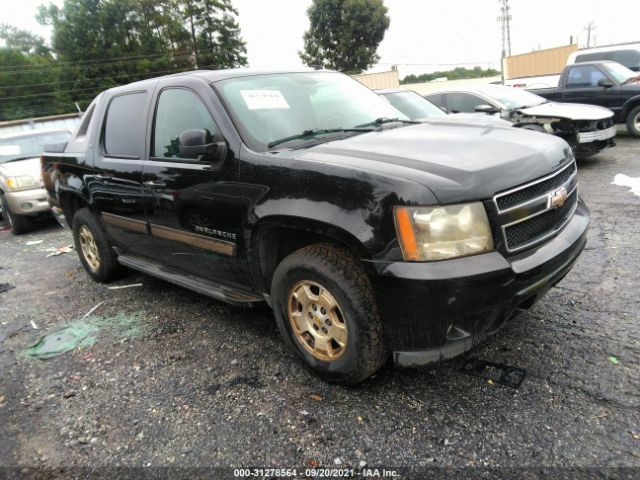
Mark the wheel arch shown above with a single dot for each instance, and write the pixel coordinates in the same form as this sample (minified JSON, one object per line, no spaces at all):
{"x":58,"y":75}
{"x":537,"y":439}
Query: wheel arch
{"x":275,"y":237}
{"x":70,"y":201}
{"x":629,"y":105}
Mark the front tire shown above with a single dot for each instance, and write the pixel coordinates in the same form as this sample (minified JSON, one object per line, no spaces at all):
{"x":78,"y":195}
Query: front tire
{"x":93,"y":247}
{"x":19,"y":223}
{"x":633,"y":122}
{"x":326,"y":312}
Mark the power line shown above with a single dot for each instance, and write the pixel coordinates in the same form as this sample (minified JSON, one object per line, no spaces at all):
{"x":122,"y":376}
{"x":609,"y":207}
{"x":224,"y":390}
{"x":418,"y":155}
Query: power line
{"x":81,"y":62}
{"x":97,"y":89}
{"x":88,"y":79}
{"x":434,"y":64}
{"x":57,"y":67}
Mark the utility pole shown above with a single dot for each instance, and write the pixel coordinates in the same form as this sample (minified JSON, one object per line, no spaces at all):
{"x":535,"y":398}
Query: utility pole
{"x":591,"y":26}
{"x":505,"y":20}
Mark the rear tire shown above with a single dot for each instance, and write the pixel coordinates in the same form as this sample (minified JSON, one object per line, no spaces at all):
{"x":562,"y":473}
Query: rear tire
{"x":93,"y":247}
{"x":633,"y":122}
{"x":347,"y":344}
{"x":19,"y":223}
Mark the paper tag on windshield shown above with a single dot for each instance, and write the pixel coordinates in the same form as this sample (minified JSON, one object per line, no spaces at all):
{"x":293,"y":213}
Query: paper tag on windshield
{"x":264,"y":99}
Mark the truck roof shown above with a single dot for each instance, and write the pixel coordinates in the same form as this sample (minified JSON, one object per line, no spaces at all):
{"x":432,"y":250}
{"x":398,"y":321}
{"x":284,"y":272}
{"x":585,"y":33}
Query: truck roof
{"x":213,"y":76}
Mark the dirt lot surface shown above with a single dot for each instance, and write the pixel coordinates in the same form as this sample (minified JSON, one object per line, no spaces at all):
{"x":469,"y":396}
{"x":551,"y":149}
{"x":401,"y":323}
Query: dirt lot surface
{"x":168,"y":378}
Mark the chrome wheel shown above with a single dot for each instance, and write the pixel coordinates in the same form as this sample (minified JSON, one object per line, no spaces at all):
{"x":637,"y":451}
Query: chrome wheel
{"x":89,"y":248}
{"x":636,"y":121}
{"x":317,"y":321}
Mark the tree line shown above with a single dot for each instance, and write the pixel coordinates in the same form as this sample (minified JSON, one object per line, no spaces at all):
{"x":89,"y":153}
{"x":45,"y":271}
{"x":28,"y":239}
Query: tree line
{"x":457,"y":73}
{"x":99,"y":44}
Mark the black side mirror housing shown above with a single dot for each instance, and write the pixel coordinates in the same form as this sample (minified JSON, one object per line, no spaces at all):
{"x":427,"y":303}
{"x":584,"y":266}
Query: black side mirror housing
{"x":199,"y":144}
{"x":485,"y":108}
{"x":605,"y":82}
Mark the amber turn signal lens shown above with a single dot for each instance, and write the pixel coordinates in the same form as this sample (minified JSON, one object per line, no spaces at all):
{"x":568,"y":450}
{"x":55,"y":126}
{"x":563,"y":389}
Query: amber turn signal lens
{"x":406,"y":234}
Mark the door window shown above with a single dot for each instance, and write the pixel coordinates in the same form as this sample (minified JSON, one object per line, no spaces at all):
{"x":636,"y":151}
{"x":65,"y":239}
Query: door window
{"x":178,"y":110}
{"x":463,"y":102}
{"x":584,"y":77}
{"x":124,"y":128}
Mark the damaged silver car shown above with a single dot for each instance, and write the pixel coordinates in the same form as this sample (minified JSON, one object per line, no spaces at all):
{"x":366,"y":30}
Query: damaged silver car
{"x":587,"y":128}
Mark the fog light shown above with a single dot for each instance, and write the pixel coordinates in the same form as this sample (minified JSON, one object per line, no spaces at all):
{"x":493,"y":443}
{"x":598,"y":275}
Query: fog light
{"x":26,"y":206}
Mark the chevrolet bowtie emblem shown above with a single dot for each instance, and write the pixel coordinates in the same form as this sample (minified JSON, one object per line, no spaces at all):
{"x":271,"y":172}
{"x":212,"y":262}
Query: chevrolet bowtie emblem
{"x":557,"y":198}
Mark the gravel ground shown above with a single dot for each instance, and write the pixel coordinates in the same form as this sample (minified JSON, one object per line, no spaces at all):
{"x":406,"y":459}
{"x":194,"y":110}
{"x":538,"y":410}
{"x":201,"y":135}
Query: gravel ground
{"x":177,"y":380}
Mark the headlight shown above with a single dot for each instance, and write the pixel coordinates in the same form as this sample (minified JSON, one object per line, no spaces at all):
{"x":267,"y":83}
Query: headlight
{"x":23,"y":181}
{"x":439,"y":233}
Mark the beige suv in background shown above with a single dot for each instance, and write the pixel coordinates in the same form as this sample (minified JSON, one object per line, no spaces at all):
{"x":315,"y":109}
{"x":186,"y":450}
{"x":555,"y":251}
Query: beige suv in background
{"x":22,"y":196}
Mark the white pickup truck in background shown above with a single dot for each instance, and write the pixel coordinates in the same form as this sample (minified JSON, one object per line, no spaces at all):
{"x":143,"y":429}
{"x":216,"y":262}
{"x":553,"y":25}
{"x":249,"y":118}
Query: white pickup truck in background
{"x":627,"y":54}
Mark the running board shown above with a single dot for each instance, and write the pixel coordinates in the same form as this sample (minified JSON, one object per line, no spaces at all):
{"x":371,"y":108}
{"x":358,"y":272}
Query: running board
{"x":199,"y":285}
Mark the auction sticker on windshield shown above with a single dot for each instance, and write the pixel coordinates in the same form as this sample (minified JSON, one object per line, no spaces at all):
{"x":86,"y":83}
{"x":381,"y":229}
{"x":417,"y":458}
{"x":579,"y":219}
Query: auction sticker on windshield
{"x":264,"y":99}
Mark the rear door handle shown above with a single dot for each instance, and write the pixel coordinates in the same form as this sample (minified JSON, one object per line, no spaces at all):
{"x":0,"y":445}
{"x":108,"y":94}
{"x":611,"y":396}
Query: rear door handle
{"x":154,"y":183}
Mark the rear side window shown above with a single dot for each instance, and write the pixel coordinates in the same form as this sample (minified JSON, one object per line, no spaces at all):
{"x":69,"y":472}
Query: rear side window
{"x":125,"y":125}
{"x":628,"y":58}
{"x":594,"y":57}
{"x":463,"y":102}
{"x":437,"y":98}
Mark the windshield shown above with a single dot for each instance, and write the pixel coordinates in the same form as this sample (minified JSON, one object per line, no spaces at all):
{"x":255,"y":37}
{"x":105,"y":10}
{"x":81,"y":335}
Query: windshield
{"x":413,"y":105}
{"x":620,"y":73}
{"x":513,"y":98}
{"x":268,"y":108}
{"x":28,"y":146}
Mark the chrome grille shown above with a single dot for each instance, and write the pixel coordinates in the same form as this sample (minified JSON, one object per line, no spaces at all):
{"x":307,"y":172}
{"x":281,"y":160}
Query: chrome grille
{"x":526,"y":193}
{"x":533,"y":212}
{"x":536,"y":227}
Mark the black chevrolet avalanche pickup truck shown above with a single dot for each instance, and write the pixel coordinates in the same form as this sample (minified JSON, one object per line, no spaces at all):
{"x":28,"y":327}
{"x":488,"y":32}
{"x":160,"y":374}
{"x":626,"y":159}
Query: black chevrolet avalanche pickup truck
{"x":370,"y":236}
{"x":607,"y":84}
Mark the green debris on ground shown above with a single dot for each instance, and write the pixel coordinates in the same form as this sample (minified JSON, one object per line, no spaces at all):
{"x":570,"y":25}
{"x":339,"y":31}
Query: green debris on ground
{"x":85,"y":332}
{"x":614,"y":360}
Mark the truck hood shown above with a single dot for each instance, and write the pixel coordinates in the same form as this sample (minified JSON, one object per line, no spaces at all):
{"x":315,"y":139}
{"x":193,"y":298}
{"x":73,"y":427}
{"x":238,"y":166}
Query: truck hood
{"x":456,"y":161}
{"x":572,"y":111}
{"x":30,"y":166}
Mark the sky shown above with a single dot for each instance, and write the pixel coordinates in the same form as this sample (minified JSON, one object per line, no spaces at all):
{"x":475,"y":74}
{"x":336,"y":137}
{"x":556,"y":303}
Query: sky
{"x":424,"y":35}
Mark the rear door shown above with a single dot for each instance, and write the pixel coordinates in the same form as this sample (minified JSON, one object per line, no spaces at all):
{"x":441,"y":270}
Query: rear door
{"x":196,"y":211}
{"x":115,"y":185}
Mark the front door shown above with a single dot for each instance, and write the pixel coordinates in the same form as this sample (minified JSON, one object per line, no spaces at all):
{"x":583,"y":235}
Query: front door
{"x":195,"y":216}
{"x":582,"y":87}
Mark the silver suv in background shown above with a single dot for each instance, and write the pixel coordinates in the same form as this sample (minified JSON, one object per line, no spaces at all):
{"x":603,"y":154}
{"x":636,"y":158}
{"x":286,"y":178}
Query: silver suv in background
{"x":22,"y":196}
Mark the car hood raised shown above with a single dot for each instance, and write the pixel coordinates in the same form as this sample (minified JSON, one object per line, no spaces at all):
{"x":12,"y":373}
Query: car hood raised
{"x":572,"y":111}
{"x":456,"y":161}
{"x":30,"y":166}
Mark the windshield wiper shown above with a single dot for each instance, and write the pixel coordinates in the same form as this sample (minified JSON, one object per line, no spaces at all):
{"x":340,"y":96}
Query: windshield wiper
{"x":383,"y":120}
{"x":312,"y":132}
{"x":631,"y":79}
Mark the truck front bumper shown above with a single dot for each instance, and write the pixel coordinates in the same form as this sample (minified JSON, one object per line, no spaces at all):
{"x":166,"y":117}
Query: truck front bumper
{"x":434,"y":311}
{"x":28,"y":202}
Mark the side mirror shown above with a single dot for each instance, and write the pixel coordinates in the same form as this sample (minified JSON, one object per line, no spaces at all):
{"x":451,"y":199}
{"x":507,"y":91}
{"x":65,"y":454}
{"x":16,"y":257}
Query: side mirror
{"x":484,"y":108}
{"x":605,"y":82}
{"x":199,"y":144}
